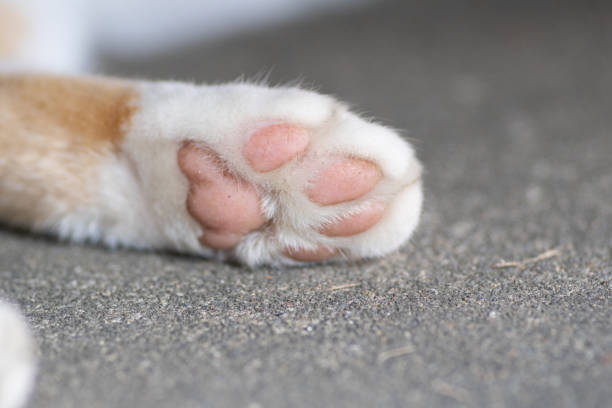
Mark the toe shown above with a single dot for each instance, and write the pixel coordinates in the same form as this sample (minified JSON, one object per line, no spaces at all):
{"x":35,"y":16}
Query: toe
{"x":310,"y":255}
{"x":220,"y":239}
{"x":198,"y":164}
{"x":345,"y":180}
{"x":272,"y":146}
{"x":225,"y":206}
{"x":357,"y":223}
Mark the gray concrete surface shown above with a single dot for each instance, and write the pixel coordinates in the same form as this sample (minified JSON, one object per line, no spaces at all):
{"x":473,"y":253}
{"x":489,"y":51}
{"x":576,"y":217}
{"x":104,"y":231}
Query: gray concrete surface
{"x":510,"y":106}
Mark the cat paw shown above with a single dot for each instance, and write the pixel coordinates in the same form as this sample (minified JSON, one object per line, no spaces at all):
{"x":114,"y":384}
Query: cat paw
{"x":274,"y":176}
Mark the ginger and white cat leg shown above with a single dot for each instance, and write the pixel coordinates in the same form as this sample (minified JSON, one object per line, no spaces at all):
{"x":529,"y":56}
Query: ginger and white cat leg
{"x":264,"y":175}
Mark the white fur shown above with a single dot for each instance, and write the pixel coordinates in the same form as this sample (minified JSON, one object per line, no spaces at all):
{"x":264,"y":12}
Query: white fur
{"x":142,"y":195}
{"x":17,"y":362}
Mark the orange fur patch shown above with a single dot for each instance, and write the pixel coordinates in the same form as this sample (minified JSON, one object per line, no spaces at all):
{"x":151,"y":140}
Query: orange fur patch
{"x":89,"y":111}
{"x":12,"y":30}
{"x":53,"y":133}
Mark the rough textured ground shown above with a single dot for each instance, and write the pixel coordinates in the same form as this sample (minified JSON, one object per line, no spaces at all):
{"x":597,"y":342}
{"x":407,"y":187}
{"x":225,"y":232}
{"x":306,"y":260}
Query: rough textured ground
{"x":510,"y":107}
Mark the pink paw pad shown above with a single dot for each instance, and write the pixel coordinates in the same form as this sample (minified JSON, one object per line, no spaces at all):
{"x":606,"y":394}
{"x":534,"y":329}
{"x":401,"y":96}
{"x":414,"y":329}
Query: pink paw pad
{"x":274,"y":145}
{"x":357,"y":223}
{"x":345,"y":180}
{"x":311,"y":255}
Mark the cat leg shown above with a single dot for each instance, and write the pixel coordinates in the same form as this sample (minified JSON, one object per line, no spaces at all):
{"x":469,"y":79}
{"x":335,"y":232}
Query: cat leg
{"x":262,"y":175}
